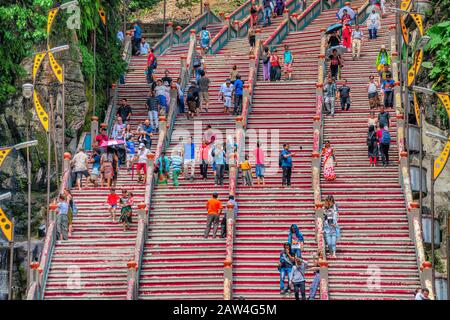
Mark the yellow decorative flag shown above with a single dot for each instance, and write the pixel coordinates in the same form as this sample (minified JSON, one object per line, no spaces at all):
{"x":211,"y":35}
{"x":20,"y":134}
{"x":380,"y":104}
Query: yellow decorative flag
{"x":419,"y":22}
{"x":38,"y":58}
{"x":414,"y":69}
{"x":6,"y":225}
{"x":102,"y":14}
{"x":405,"y":5}
{"x":440,"y":162}
{"x":43,"y":116}
{"x":57,"y":70}
{"x":51,"y":16}
{"x":417,"y":108}
{"x":3,"y":154}
{"x":405,"y":31}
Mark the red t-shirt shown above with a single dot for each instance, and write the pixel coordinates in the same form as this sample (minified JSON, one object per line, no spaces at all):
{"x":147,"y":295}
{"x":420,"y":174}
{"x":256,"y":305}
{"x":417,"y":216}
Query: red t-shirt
{"x":113,"y":199}
{"x":150,"y":58}
{"x":100,"y":138}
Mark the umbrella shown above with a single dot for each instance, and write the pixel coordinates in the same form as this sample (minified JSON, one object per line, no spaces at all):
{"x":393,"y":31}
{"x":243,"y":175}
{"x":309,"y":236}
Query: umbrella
{"x":111,"y":143}
{"x":340,"y":50}
{"x":349,"y":11}
{"x":333,"y":27}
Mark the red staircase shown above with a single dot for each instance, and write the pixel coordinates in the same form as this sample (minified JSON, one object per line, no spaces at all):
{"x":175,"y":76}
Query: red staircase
{"x":266,"y":213}
{"x":375,"y":242}
{"x":178,"y":262}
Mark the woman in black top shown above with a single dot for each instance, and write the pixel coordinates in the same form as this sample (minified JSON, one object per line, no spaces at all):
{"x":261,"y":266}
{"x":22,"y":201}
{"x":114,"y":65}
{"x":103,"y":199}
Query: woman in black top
{"x":334,"y":40}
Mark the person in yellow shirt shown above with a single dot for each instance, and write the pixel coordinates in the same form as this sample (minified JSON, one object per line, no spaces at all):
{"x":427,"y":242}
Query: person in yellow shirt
{"x":246,"y":168}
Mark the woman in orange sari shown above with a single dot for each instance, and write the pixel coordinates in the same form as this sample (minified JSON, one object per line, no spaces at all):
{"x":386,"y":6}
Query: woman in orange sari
{"x":347,"y":36}
{"x":328,"y":162}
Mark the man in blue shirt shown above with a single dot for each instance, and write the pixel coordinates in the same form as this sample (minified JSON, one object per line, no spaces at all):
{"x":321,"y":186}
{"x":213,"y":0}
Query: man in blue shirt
{"x":146,"y":134}
{"x":238,"y":93}
{"x":286,"y":165}
{"x":189,"y":159}
{"x":388,"y":88}
{"x":137,"y":36}
{"x":62,"y":220}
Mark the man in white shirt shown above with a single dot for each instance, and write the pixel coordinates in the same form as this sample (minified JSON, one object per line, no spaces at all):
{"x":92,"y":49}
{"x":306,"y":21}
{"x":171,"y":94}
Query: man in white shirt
{"x":226,"y":94}
{"x":141,"y":159}
{"x":357,"y":40}
{"x":80,"y":166}
{"x":145,"y":47}
{"x":373,"y":24}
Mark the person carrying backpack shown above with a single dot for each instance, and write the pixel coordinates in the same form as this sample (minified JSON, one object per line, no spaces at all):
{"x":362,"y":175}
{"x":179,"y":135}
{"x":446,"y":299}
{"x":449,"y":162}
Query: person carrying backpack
{"x":384,"y":146}
{"x":205,"y":39}
{"x":192,"y":99}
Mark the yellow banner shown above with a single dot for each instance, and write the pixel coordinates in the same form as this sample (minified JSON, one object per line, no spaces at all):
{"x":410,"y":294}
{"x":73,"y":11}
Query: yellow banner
{"x":102,"y":14}
{"x":419,"y":22}
{"x":445,"y":101}
{"x":417,"y":108}
{"x":440,"y":162}
{"x":6,"y":225}
{"x":57,"y":70}
{"x":51,"y":16}
{"x":3,"y":154}
{"x":405,"y":31}
{"x":405,"y":5}
{"x":414,"y":69}
{"x":43,"y":116}
{"x":38,"y":58}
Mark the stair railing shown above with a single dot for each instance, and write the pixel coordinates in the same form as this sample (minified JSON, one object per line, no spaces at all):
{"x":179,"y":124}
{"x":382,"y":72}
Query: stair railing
{"x":166,"y":126}
{"x":41,"y":268}
{"x":413,"y":208}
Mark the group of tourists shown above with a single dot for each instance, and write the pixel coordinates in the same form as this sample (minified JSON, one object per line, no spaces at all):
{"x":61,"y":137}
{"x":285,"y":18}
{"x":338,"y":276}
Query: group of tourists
{"x":272,"y":9}
{"x":272,"y":63}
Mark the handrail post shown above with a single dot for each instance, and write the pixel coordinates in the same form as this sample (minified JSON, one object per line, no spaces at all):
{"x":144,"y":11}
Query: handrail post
{"x":323,"y":279}
{"x":236,"y":26}
{"x":178,"y":32}
{"x":228,"y":263}
{"x":94,"y":130}
{"x":287,"y":13}
{"x":228,"y":23}
{"x":35,"y":275}
{"x":131,"y":276}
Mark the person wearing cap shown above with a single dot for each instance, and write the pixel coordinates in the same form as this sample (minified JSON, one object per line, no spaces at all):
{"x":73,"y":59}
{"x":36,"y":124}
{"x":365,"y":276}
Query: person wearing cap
{"x":238,"y":93}
{"x":214,"y":208}
{"x":226,"y":95}
{"x":383,"y":58}
{"x":203,"y":85}
{"x":141,"y":159}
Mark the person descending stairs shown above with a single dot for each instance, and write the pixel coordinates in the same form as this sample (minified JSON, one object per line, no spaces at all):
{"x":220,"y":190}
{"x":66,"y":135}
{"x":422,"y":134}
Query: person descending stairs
{"x":375,"y":256}
{"x":178,"y":262}
{"x":282,"y":113}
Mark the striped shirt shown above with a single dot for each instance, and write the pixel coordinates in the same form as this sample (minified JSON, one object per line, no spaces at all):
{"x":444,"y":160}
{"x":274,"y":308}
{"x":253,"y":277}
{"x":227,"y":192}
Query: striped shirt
{"x":177,"y":162}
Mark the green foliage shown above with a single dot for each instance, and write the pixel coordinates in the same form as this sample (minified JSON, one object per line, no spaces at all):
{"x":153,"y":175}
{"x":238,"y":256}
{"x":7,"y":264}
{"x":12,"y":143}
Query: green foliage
{"x":142,"y":4}
{"x":439,"y":50}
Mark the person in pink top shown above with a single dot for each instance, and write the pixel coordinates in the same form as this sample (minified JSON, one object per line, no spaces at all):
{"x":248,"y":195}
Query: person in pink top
{"x":259,"y":161}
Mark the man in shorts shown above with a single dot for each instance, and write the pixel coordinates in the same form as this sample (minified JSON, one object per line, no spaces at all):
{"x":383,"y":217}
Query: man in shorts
{"x":111,"y":201}
{"x":203,"y":84}
{"x":80,"y":166}
{"x":141,"y":159}
{"x":226,"y":95}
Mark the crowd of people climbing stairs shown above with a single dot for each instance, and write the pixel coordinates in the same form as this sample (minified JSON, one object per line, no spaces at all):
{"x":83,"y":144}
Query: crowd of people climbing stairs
{"x":131,"y":147}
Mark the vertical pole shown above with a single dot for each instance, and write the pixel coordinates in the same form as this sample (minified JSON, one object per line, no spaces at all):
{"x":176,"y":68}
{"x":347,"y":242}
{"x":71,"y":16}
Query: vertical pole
{"x":201,"y":6}
{"x":63,"y":107}
{"x":421,"y":164}
{"x":49,"y":156}
{"x":52,"y":129}
{"x":11,"y":260}
{"x":95,"y":71}
{"x":29,"y":212}
{"x":448,"y":256}
{"x":124,"y":12}
{"x":432,"y":224}
{"x":164,"y":15}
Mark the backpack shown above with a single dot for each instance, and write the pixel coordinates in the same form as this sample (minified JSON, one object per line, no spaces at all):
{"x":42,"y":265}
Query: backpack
{"x":280,"y":159}
{"x":197,"y":62}
{"x":154,"y":63}
{"x":205,"y":35}
{"x":386,"y":137}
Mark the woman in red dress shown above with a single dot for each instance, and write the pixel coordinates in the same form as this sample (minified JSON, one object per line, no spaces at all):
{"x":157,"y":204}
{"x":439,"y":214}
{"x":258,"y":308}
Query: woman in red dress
{"x":347,"y":37}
